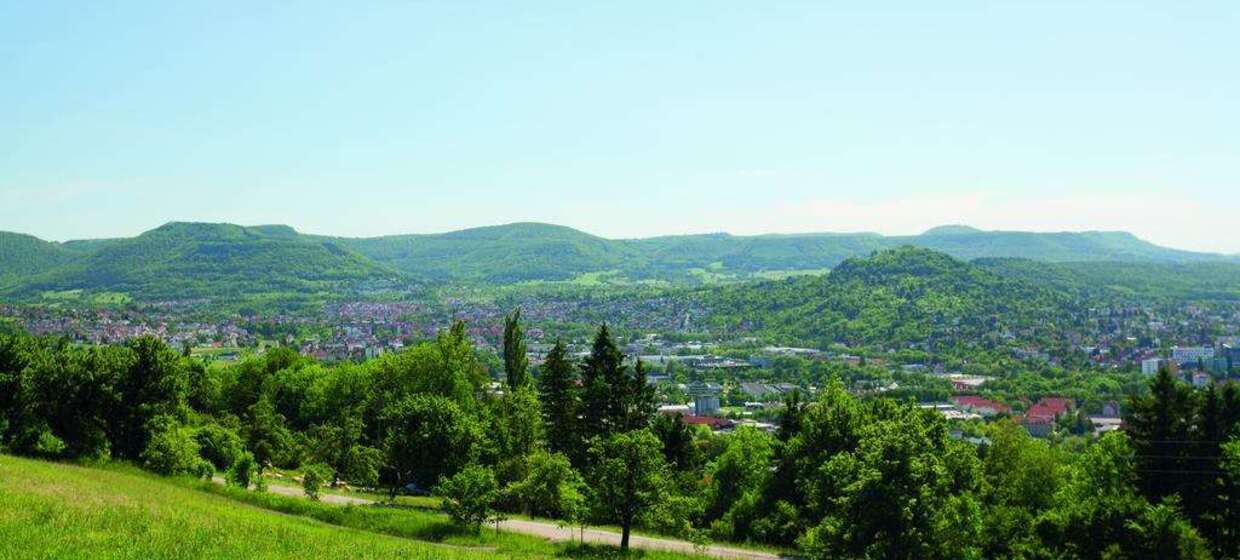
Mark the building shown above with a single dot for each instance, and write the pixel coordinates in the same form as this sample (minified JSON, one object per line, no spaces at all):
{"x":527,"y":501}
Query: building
{"x":705,"y":397}
{"x":1040,"y":418}
{"x":981,"y":406}
{"x":1186,"y":354}
{"x":1150,"y":366}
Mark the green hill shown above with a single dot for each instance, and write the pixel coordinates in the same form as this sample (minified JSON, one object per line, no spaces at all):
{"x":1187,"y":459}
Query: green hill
{"x":896,"y":297}
{"x":182,"y":260}
{"x":508,"y":253}
{"x":185,"y":260}
{"x":24,"y":255}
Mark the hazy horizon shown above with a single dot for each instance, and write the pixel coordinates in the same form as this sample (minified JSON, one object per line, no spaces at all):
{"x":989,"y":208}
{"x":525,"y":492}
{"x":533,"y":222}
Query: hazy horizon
{"x":623,"y":121}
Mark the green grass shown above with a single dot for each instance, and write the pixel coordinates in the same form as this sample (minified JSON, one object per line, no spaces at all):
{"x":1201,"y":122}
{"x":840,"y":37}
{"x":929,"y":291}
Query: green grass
{"x":50,"y":510}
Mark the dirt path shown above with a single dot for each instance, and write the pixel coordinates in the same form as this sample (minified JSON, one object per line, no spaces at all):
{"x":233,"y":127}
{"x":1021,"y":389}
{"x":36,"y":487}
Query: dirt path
{"x":553,"y":532}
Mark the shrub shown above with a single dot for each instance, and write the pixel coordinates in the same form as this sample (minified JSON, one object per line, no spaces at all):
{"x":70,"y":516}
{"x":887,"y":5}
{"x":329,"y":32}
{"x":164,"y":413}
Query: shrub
{"x":172,"y":449}
{"x":219,"y":445}
{"x":243,"y":471}
{"x":469,"y":496}
{"x":312,"y":480}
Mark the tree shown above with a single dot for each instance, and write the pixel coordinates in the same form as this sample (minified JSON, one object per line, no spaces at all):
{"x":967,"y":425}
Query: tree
{"x":155,"y":383}
{"x":742,"y":468}
{"x":516,"y":364}
{"x":219,"y":445}
{"x":312,"y":479}
{"x":560,"y":399}
{"x":267,"y":436}
{"x":338,"y":445}
{"x":1224,"y":521}
{"x":613,"y":399}
{"x":1099,"y":514}
{"x":243,"y":471}
{"x":519,"y":431}
{"x":172,"y":450}
{"x":551,"y":488}
{"x":628,"y":476}
{"x":677,"y":441}
{"x":1160,"y":426}
{"x":469,"y":496}
{"x":602,"y":379}
{"x":428,"y":436}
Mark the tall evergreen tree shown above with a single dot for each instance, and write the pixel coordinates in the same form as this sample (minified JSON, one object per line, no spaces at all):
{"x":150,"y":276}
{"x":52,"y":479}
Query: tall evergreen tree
{"x":516,"y":364}
{"x":1160,"y":427}
{"x":561,"y":403}
{"x":602,"y":382}
{"x":638,"y":400}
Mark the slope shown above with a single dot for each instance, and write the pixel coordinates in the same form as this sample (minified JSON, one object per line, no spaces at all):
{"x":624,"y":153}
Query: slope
{"x":61,"y":511}
{"x":185,"y":260}
{"x":894,"y":298}
{"x":23,"y":255}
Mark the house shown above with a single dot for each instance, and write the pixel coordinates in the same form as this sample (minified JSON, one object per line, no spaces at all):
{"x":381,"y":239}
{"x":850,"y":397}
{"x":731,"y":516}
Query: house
{"x":981,"y":406}
{"x":1040,"y":418}
{"x":708,"y":421}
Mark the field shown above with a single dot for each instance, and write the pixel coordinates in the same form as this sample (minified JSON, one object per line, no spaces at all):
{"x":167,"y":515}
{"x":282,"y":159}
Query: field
{"x":50,"y":510}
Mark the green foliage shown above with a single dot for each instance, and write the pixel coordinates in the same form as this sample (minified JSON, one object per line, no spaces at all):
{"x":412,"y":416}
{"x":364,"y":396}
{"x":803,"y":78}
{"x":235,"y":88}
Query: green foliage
{"x":172,"y":449}
{"x":551,"y":487}
{"x":313,"y":478}
{"x":219,"y":445}
{"x":561,"y":403}
{"x":627,"y":477}
{"x":740,"y":471}
{"x":516,"y":365}
{"x":244,"y":471}
{"x":428,"y":437}
{"x":613,"y":398}
{"x":884,"y":480}
{"x":469,"y":496}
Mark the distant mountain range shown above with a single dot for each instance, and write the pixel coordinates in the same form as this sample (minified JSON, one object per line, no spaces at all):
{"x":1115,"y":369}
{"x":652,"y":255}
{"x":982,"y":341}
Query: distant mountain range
{"x":211,"y":260}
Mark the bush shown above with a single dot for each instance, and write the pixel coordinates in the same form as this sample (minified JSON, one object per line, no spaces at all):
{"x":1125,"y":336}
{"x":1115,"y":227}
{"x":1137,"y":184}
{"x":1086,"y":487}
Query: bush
{"x":312,"y":480}
{"x":219,"y":445}
{"x":549,"y":484}
{"x":469,"y":496}
{"x":243,"y":471}
{"x":172,"y":449}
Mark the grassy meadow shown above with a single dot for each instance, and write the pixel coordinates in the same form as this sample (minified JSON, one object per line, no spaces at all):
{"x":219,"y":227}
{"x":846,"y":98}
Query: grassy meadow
{"x":51,"y":510}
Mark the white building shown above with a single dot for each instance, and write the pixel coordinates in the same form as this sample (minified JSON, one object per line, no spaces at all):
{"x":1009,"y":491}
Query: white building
{"x":1182,"y":354}
{"x":1150,"y":366}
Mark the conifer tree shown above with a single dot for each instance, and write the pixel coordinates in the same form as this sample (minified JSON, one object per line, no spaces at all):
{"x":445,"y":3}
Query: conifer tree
{"x":516,"y":364}
{"x":561,"y":402}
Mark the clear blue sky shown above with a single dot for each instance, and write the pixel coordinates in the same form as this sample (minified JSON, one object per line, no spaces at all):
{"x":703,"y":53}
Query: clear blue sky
{"x":622,"y":118}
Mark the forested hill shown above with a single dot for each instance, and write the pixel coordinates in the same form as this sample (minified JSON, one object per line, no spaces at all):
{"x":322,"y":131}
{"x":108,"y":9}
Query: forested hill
{"x":896,"y":298}
{"x":23,"y":255}
{"x":183,"y":260}
{"x":191,"y":259}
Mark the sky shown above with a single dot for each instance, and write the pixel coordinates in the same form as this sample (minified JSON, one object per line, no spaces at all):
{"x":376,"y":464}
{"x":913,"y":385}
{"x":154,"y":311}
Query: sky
{"x":623,"y":119}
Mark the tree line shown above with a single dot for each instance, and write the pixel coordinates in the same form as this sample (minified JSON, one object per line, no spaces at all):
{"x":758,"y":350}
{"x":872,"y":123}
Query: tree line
{"x":580,"y":439}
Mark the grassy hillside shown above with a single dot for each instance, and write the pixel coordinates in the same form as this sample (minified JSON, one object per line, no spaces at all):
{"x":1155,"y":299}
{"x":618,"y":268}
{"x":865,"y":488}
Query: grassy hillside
{"x":50,"y":510}
{"x":182,"y":260}
{"x":59,"y":511}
